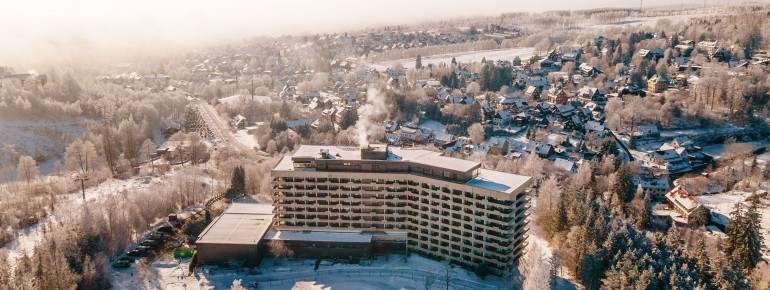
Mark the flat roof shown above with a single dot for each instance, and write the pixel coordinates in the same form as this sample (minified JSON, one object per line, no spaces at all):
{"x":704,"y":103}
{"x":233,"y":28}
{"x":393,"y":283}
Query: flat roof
{"x":419,"y":156}
{"x":320,"y":236}
{"x":499,"y":181}
{"x":241,"y":223}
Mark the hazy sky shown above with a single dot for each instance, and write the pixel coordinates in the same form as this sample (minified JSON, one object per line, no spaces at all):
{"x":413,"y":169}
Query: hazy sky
{"x":38,"y":31}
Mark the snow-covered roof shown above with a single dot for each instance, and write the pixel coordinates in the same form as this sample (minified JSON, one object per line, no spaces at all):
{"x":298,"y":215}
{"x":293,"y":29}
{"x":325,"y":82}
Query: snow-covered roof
{"x":682,"y":199}
{"x":241,"y":223}
{"x":565,"y":164}
{"x":499,"y":181}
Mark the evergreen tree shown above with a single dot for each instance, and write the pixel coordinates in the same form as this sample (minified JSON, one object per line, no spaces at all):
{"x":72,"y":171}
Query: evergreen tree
{"x":624,"y":186}
{"x":238,"y":181}
{"x":632,"y":143}
{"x":734,"y":231}
{"x":608,"y":146}
{"x":432,"y":111}
{"x":643,"y":208}
{"x":349,"y":118}
{"x":702,"y":262}
{"x":731,"y":276}
{"x":752,"y":231}
{"x":559,"y":218}
{"x":285,"y":111}
{"x":474,"y":113}
{"x":418,"y":62}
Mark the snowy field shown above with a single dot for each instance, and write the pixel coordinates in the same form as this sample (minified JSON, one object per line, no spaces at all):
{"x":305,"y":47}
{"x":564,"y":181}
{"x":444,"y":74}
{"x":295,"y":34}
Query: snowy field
{"x":718,"y":149}
{"x":279,"y":274}
{"x":50,"y":136}
{"x":245,"y":138}
{"x":634,"y":21}
{"x":470,"y":56}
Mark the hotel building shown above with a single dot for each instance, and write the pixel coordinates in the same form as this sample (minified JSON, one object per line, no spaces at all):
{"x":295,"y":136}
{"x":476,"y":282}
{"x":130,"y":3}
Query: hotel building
{"x":441,"y":207}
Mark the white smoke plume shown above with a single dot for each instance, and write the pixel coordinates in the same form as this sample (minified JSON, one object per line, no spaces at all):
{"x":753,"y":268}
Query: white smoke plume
{"x":370,"y":115}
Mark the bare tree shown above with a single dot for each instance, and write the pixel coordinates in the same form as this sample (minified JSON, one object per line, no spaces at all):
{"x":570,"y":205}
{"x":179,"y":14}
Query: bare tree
{"x":476,"y":132}
{"x":279,"y":249}
{"x":536,"y":268}
{"x":148,"y":149}
{"x":129,"y":130}
{"x":27,"y":169}
{"x":80,"y":156}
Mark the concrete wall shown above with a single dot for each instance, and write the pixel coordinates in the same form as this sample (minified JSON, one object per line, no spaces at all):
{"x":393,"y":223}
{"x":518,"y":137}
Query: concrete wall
{"x":218,"y":253}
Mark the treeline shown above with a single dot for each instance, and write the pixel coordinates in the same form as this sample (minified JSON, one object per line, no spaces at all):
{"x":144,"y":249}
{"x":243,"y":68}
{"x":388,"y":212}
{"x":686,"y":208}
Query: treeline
{"x":398,"y":54}
{"x":606,"y":239}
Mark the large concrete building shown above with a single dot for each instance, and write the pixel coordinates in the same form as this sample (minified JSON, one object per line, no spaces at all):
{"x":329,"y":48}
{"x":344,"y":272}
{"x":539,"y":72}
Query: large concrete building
{"x":442,"y":207}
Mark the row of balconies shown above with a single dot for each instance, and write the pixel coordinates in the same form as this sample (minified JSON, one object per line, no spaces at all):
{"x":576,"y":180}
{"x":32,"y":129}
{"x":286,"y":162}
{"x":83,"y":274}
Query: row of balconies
{"x":313,"y":196}
{"x":436,"y":189}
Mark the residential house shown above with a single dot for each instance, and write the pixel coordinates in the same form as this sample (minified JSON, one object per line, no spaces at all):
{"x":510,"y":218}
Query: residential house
{"x":415,"y":135}
{"x":566,"y":165}
{"x":390,"y":126}
{"x":674,"y":159}
{"x":558,"y":96}
{"x":511,"y":103}
{"x":564,"y":111}
{"x":588,"y":70}
{"x":658,"y":83}
{"x":647,"y":132}
{"x":541,"y":149}
{"x":499,"y":146}
{"x":502,"y":118}
{"x":441,"y":139}
{"x":596,"y":127}
{"x":655,"y":53}
{"x":303,"y":121}
{"x":655,"y":187}
{"x":685,"y":205}
{"x":533,"y":92}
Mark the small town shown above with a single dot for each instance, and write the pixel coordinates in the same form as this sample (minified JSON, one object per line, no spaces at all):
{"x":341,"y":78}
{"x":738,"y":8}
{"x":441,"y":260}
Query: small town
{"x":497,"y":146}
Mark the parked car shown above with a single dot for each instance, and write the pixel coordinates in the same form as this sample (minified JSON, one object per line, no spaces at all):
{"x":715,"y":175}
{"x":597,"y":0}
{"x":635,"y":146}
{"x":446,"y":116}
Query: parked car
{"x":121,"y":264}
{"x":158,"y":236}
{"x":166,"y":229}
{"x":149,"y":243}
{"x":127,"y":259}
{"x":139,"y":251}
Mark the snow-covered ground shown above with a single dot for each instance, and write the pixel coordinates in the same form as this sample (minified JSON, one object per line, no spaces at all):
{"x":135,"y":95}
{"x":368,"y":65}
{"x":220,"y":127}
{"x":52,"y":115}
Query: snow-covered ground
{"x":29,"y":237}
{"x":723,"y":203}
{"x":433,"y":126}
{"x":384,"y":273}
{"x":470,"y":56}
{"x":637,"y":20}
{"x":246,"y":139}
{"x":718,"y":149}
{"x":50,"y":136}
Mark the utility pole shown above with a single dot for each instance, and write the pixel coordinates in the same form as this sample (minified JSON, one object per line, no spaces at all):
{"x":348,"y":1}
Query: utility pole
{"x":82,"y":179}
{"x":640,"y":6}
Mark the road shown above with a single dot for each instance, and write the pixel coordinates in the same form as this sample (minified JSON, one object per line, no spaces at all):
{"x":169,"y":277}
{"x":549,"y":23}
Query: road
{"x":218,"y":127}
